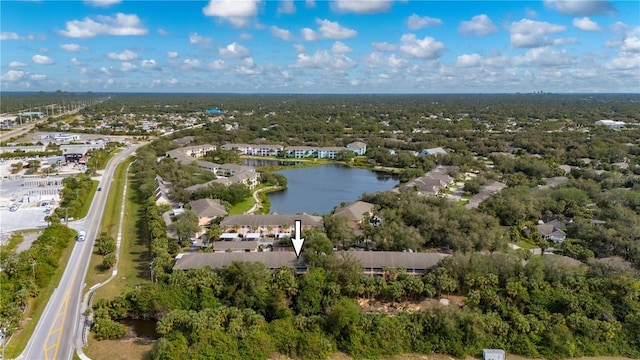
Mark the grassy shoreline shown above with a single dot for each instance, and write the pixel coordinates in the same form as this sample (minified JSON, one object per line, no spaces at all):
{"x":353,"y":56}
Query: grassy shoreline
{"x":357,"y":163}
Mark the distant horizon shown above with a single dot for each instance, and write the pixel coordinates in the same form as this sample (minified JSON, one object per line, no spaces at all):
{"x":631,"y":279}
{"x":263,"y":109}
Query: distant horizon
{"x":318,"y":93}
{"x":321,"y":47}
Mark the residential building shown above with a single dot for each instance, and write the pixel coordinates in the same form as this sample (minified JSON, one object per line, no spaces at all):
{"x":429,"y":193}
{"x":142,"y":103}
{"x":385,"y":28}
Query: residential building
{"x":357,"y":147}
{"x":611,"y":124}
{"x":236,"y":246}
{"x":268,"y":224}
{"x":373,"y":263}
{"x":433,"y":152}
{"x":207,"y":210}
{"x":434,"y":180}
{"x":299,"y":152}
{"x":188,"y":153}
{"x":550,"y":232}
{"x":162,"y":191}
{"x":255,"y":149}
{"x":355,"y":212}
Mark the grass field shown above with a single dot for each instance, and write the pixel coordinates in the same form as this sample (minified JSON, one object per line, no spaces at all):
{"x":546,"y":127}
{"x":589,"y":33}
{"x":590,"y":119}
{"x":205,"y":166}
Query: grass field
{"x":526,"y":245}
{"x":133,"y":264}
{"x":36,"y":308}
{"x":87,"y":203}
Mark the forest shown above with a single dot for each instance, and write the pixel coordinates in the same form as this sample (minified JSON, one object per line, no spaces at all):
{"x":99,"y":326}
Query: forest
{"x":584,"y":300}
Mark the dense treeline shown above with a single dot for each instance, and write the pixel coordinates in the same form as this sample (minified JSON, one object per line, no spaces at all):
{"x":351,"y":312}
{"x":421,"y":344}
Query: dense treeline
{"x":614,"y":201}
{"x":75,"y":192}
{"x":24,"y":274}
{"x":415,"y":222}
{"x":539,"y":306}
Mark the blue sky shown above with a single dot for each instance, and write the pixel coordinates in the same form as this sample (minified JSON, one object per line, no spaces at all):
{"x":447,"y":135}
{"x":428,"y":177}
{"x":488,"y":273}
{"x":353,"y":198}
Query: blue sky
{"x":359,"y":46}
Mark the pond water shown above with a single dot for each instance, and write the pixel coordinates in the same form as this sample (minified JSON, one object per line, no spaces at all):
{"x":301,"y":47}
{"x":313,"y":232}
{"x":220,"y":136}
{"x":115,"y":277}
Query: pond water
{"x":142,"y":328}
{"x":319,"y":189}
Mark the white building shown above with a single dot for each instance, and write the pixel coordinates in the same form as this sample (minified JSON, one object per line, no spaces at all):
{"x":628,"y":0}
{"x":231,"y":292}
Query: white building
{"x":611,"y":124}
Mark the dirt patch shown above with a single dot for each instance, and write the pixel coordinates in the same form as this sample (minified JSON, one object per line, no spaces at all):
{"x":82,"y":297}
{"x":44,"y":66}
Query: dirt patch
{"x":133,"y":348}
{"x":386,"y":307}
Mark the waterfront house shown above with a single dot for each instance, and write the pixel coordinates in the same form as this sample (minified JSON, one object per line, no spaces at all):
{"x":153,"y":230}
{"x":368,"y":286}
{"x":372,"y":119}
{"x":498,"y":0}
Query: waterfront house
{"x":358,"y":147}
{"x":274,"y":225}
{"x":355,"y":213}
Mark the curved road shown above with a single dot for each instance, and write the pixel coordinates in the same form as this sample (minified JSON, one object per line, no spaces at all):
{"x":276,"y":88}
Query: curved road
{"x":55,"y":333}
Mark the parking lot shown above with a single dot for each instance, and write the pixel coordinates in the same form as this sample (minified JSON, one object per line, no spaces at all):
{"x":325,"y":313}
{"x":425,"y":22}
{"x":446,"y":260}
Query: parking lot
{"x":26,"y":217}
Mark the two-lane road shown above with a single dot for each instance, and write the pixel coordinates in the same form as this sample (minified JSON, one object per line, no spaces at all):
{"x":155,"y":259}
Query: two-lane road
{"x":54,"y":336}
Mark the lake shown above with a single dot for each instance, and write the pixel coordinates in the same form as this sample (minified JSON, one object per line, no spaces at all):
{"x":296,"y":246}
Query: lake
{"x":319,"y":189}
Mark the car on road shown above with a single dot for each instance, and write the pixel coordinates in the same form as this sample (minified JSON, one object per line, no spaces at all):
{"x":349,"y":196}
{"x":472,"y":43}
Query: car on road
{"x":81,"y":236}
{"x":13,"y":207}
{"x":99,"y":189}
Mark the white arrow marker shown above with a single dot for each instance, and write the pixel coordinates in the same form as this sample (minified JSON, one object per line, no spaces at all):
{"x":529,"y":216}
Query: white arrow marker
{"x":298,"y":241}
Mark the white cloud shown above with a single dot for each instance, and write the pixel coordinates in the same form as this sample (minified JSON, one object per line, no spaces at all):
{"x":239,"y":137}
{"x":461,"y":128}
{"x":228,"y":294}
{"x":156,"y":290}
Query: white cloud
{"x":309,"y":35}
{"x":580,"y":7}
{"x":7,"y":35}
{"x":234,"y":50}
{"x":248,"y":67}
{"x":299,"y":48}
{"x":340,"y":48}
{"x":126,"y":55}
{"x":42,"y":60}
{"x":148,"y":64}
{"x":118,"y":25}
{"x":172,"y":54}
{"x":196,"y":39}
{"x":469,"y":60}
{"x":38,"y":77}
{"x":383,"y":46}
{"x":415,"y":22}
{"x":281,"y":33}
{"x":218,"y":65}
{"x":12,"y":75}
{"x":631,"y":44}
{"x":73,"y":47}
{"x":310,"y":3}
{"x":286,"y":7}
{"x":427,"y":48}
{"x":333,"y":30}
{"x":76,"y":62}
{"x":127,"y":66}
{"x":15,"y":64}
{"x":191,"y":64}
{"x":624,"y":62}
{"x":322,"y":59}
{"x":530,"y":33}
{"x":378,"y":60}
{"x":362,"y":6}
{"x":163,"y":32}
{"x":479,"y":25}
{"x":545,"y":57}
{"x":238,"y":13}
{"x":105,"y":71}
{"x":586,"y":24}
{"x":246,"y":36}
{"x":102,"y":3}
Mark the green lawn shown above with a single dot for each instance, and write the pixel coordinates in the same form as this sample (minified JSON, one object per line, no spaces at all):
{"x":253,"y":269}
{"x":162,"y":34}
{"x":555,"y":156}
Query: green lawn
{"x":526,"y":245}
{"x":134,"y":257}
{"x":87,"y":203}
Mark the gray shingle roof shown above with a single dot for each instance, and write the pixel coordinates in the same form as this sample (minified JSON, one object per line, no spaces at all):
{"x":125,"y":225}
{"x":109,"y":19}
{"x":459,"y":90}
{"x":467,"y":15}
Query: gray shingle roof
{"x":354,"y":211}
{"x":271,"y":220}
{"x":208,"y":208}
{"x":273,"y":260}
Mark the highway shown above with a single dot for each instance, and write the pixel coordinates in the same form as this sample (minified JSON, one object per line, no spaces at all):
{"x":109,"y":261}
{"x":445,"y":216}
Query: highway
{"x":55,"y":333}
